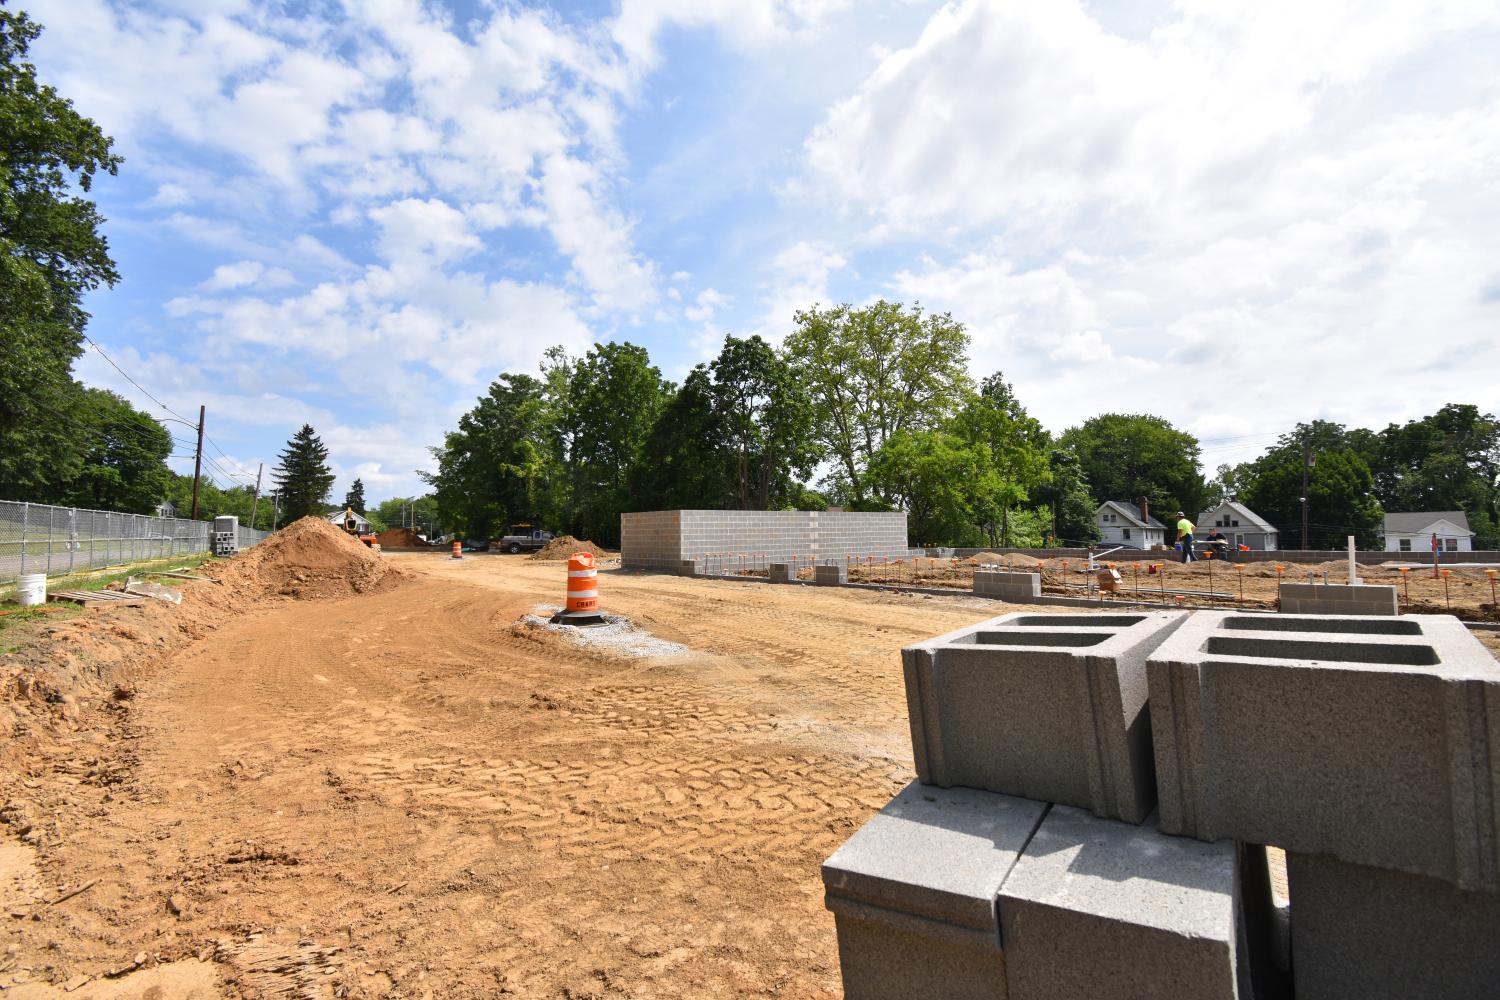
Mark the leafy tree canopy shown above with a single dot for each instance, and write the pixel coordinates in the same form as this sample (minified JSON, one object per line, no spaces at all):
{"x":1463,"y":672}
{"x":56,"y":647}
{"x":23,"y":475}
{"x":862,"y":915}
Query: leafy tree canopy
{"x":1128,"y":456}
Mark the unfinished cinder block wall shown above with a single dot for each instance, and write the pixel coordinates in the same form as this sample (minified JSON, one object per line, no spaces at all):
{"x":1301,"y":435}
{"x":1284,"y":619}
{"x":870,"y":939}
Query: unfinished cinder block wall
{"x":662,"y":539}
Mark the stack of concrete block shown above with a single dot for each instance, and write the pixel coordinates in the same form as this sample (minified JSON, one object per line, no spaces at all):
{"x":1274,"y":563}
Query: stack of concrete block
{"x":1370,"y":751}
{"x":688,"y":567}
{"x":1338,"y":599}
{"x":835,"y":575}
{"x":1018,"y":587}
{"x":995,"y":887}
{"x":782,"y":573}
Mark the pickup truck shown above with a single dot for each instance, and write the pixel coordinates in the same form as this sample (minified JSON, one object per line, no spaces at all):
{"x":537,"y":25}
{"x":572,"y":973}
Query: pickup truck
{"x":528,"y":541}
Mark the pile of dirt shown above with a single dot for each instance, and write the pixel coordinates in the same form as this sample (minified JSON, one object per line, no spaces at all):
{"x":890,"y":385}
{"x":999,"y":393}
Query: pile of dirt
{"x":563,"y":546}
{"x":400,"y":538}
{"x":310,"y":558}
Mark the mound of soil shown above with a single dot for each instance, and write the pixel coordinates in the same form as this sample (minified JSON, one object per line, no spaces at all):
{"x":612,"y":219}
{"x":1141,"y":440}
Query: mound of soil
{"x":563,"y":546}
{"x":310,"y":558}
{"x":400,"y":538}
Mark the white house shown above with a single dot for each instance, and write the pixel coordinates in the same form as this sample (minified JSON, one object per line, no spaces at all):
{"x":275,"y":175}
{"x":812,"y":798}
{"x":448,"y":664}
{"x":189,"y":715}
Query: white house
{"x":1239,"y":524}
{"x":1412,"y":532}
{"x":339,"y":517}
{"x":1122,"y":523}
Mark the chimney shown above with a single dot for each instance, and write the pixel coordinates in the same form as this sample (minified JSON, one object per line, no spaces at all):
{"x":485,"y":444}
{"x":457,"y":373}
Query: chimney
{"x":1145,"y":506}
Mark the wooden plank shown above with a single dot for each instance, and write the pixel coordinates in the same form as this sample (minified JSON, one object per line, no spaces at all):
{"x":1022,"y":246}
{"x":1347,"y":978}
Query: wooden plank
{"x":100,"y":597}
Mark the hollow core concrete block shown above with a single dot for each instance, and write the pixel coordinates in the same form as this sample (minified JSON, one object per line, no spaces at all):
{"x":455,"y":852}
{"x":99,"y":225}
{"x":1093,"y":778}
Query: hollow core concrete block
{"x":1375,"y":934}
{"x":1050,"y":707}
{"x":1338,"y":599}
{"x":1110,"y":911}
{"x":1007,"y":586}
{"x":781,"y":573}
{"x":913,"y":894}
{"x":831,"y":576}
{"x":1373,"y":740}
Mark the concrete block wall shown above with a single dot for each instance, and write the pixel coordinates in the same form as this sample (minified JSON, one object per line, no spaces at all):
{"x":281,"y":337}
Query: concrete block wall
{"x":781,"y":573}
{"x":1338,"y":599}
{"x":663,"y":539}
{"x":1372,"y":740}
{"x":831,"y":576}
{"x":1007,"y":586}
{"x":1050,"y":707}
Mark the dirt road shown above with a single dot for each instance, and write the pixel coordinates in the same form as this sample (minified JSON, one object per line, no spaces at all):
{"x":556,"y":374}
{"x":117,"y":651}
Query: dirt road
{"x":407,"y":793}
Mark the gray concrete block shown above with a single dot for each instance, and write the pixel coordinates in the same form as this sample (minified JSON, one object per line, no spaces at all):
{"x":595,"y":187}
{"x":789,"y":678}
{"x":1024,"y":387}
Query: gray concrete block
{"x":1382,"y":935}
{"x":1007,"y":586}
{"x":1338,"y":599}
{"x":913,"y":894}
{"x":781,"y":573}
{"x":831,"y":576}
{"x":1106,"y":910}
{"x":1050,"y":707}
{"x":1373,"y":740}
{"x":689,"y":567}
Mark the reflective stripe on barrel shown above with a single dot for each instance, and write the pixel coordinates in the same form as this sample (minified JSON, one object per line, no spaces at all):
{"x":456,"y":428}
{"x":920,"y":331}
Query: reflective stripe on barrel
{"x":583,"y":583}
{"x":458,"y":550}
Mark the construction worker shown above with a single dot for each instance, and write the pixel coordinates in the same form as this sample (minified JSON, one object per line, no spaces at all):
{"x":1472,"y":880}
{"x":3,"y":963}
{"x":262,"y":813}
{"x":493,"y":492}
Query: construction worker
{"x":1185,"y":536}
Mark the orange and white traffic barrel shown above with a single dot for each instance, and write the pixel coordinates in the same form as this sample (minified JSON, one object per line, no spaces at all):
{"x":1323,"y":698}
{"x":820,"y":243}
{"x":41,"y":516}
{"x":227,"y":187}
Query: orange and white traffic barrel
{"x":583,"y":591}
{"x":458,"y":550}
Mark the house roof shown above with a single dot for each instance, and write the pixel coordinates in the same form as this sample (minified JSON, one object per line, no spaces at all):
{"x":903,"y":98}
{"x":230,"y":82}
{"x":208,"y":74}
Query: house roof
{"x":1133,"y":512}
{"x":1418,"y":521}
{"x":1245,"y":514}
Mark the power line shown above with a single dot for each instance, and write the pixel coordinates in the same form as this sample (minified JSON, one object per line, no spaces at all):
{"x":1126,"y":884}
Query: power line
{"x":132,"y":381}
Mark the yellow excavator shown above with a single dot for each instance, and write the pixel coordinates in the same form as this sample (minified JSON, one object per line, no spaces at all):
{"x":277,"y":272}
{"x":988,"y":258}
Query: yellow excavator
{"x":350,"y":523}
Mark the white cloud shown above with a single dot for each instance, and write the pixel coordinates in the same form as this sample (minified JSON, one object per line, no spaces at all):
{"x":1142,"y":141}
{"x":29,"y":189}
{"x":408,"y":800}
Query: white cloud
{"x":246,"y":274}
{"x":705,"y":305}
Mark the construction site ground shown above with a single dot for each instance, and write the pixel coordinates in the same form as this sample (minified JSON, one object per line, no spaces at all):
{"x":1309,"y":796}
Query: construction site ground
{"x":420,"y":790}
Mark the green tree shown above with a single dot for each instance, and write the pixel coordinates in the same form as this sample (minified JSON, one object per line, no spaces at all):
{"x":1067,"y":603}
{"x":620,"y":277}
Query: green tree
{"x":416,"y":513}
{"x":1017,"y":444}
{"x":1070,"y":505}
{"x":872,"y":372}
{"x":51,"y":253}
{"x":614,"y":394}
{"x":497,"y":469}
{"x":355,"y":498}
{"x":124,"y":466}
{"x":302,"y":476}
{"x":1341,"y":488}
{"x":1128,"y":456}
{"x":938,"y":479}
{"x":1449,"y":460}
{"x":683,"y":464}
{"x":766,"y":418}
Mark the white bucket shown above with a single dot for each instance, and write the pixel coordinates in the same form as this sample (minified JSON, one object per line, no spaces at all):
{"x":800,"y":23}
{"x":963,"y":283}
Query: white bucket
{"x":31,"y":589}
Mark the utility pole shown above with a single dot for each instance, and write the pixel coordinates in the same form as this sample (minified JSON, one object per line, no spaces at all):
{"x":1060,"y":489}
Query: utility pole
{"x":198,"y":463}
{"x":1306,"y":466}
{"x":256,"y":502}
{"x":275,"y":509}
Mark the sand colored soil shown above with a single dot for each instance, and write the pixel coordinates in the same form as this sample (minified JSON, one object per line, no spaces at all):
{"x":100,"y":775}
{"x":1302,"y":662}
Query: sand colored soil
{"x":563,"y":546}
{"x":400,"y":538}
{"x":309,"y":558}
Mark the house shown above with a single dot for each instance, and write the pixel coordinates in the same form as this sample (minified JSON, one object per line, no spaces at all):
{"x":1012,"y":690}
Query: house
{"x":1123,"y":523}
{"x":341,"y":517}
{"x":1413,"y":531}
{"x":1239,"y":524}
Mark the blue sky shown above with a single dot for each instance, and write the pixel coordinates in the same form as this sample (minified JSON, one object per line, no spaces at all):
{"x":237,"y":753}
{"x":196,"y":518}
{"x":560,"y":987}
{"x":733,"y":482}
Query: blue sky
{"x":358,"y":214}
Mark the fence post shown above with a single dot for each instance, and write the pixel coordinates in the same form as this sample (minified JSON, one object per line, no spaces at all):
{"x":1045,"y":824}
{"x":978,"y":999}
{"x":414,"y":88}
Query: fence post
{"x":72,"y":536}
{"x":25,"y":519}
{"x":48,"y":570}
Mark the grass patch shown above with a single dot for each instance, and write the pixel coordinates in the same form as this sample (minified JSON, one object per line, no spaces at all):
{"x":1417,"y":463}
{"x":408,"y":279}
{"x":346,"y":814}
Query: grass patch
{"x":101,"y":578}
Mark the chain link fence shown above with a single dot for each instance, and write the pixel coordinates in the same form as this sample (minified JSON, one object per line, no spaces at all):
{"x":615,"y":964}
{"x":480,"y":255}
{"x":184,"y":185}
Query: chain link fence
{"x":40,"y":538}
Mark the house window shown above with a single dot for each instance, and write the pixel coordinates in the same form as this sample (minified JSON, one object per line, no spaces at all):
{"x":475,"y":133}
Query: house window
{"x":1405,"y":544}
{"x":1234,"y":524}
{"x":1127,"y":532}
{"x":1451,"y":544}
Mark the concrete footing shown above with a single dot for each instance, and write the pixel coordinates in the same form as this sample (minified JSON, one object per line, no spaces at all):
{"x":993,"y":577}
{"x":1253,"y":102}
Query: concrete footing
{"x":1338,"y":599}
{"x":1017,"y":587}
{"x":1382,"y":935}
{"x":1050,"y":707}
{"x":1112,"y":911}
{"x":1375,"y":741}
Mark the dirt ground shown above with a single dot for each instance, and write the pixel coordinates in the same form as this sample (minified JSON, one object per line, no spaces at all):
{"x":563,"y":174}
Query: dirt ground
{"x":419,"y":790}
{"x":413,"y":792}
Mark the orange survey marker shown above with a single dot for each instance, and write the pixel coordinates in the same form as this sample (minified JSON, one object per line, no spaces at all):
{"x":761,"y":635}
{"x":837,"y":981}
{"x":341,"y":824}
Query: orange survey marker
{"x":583,"y":584}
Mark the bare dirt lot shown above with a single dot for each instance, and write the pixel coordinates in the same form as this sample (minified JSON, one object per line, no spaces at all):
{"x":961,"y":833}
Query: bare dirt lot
{"x":414,"y":792}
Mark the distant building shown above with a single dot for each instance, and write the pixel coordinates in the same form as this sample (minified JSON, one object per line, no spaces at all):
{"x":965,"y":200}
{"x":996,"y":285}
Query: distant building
{"x":166,"y":509}
{"x":1413,"y":531}
{"x":1123,"y":523}
{"x":339,"y":517}
{"x":1239,"y":524}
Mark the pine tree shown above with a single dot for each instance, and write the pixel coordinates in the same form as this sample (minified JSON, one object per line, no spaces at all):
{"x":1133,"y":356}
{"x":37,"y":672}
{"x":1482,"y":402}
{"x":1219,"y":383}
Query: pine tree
{"x":355,"y":499}
{"x":303,"y":478}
